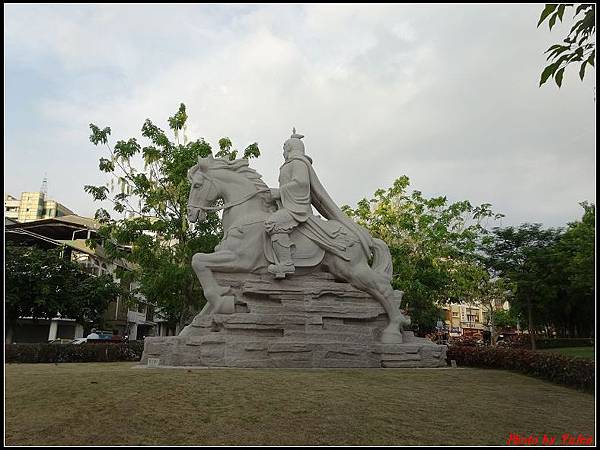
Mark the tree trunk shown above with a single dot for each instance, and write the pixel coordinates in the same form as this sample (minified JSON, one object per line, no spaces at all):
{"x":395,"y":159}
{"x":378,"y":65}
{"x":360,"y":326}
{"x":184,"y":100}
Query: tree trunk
{"x":493,"y":336}
{"x":530,"y":318}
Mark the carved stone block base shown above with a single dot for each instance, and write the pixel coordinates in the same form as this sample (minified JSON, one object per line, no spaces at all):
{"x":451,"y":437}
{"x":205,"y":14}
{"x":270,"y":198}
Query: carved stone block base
{"x":304,"y":321}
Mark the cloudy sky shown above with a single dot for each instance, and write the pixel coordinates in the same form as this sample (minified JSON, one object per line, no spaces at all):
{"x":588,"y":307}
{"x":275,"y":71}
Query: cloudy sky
{"x":447,"y":95}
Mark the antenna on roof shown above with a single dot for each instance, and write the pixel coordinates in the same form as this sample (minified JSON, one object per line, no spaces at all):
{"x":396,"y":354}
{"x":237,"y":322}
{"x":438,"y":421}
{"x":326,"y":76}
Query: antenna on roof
{"x":44,"y":188}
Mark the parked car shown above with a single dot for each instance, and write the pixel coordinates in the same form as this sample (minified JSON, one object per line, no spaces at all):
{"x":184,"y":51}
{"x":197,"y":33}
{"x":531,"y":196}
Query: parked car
{"x":60,"y":341}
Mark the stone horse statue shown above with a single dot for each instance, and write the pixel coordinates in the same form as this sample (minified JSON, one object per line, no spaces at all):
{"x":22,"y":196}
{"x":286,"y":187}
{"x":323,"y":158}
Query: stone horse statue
{"x":246,"y":247}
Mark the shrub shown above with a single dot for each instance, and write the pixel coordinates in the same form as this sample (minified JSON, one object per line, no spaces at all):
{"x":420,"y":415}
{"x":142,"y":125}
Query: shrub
{"x":568,"y":371}
{"x":464,"y":341}
{"x":55,"y":353}
{"x":524,"y":341}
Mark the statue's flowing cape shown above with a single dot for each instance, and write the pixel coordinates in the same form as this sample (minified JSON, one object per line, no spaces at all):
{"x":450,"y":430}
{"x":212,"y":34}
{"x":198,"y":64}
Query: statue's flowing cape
{"x":327,"y":207}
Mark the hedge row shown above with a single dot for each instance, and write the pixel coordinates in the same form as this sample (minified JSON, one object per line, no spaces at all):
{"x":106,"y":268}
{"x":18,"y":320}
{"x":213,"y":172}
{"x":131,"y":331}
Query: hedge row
{"x":61,"y":353}
{"x":568,"y":371}
{"x":524,"y":341}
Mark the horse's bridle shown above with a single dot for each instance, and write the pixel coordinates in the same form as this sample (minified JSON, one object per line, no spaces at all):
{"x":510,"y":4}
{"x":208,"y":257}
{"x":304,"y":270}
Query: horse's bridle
{"x":228,"y":204}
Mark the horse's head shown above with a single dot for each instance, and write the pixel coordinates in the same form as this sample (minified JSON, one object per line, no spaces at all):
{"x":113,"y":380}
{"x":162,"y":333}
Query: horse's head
{"x":203,"y":190}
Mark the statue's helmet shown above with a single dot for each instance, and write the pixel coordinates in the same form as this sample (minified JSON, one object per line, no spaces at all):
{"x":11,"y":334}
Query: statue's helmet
{"x":294,"y":143}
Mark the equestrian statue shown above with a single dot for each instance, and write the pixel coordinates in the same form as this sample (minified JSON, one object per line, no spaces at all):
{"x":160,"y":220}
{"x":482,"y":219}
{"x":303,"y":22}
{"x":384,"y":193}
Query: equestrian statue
{"x":273,"y":232}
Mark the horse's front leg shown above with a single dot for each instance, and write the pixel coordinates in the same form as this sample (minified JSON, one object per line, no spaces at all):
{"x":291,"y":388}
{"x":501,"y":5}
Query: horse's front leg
{"x":202,"y":263}
{"x":217,"y":301}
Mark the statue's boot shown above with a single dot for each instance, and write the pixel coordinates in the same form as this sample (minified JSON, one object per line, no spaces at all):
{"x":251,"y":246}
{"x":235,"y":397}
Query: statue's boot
{"x":283,"y":256}
{"x":281,"y":270}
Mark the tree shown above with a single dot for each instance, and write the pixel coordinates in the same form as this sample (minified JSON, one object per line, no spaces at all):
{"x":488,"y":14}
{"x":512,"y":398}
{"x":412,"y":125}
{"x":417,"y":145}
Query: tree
{"x":579,"y":45}
{"x":524,"y":255}
{"x":433,"y":245}
{"x":575,"y":276}
{"x":154,"y":198}
{"x":492,"y":294}
{"x":43,"y":285}
{"x":553,"y":271}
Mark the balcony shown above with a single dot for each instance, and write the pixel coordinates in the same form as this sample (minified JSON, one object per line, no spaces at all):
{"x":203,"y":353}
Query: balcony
{"x":136,"y":317}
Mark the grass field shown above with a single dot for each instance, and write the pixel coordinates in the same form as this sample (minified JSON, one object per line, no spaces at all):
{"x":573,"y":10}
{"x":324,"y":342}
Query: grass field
{"x":583,"y":352}
{"x":115,"y":404}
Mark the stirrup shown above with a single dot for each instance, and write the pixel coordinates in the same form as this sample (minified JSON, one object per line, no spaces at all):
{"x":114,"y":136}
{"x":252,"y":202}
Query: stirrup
{"x":280,"y":270}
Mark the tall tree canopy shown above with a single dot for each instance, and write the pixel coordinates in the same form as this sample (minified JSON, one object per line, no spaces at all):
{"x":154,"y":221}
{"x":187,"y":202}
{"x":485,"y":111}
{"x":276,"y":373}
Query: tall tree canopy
{"x":434,"y":245}
{"x":578,"y":47}
{"x":152,"y":191}
{"x":552,"y":271}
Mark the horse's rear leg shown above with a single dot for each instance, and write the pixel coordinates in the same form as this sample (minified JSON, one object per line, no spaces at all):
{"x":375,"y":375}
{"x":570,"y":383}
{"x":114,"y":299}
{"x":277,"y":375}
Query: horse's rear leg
{"x":361,"y":276}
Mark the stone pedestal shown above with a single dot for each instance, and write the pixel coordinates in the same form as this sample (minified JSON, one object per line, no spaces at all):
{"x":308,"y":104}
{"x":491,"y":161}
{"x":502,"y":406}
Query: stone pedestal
{"x":304,"y":321}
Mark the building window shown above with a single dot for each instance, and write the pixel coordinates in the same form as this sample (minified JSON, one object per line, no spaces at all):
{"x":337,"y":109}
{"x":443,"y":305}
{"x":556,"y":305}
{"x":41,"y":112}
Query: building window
{"x":454,"y":314}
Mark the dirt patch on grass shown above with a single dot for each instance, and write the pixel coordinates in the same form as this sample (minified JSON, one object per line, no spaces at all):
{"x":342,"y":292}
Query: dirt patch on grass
{"x":114,"y":404}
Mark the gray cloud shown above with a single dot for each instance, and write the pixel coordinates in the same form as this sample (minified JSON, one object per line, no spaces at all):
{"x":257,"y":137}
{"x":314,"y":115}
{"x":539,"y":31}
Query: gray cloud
{"x":444,"y":94}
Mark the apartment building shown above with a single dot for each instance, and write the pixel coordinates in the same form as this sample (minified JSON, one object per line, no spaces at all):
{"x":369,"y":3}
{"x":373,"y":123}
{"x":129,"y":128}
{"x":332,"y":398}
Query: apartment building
{"x":33,"y":206}
{"x":463,"y":319}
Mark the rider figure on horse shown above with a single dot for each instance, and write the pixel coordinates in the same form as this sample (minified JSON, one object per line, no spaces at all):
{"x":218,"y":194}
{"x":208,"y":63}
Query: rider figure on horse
{"x":299,"y":188}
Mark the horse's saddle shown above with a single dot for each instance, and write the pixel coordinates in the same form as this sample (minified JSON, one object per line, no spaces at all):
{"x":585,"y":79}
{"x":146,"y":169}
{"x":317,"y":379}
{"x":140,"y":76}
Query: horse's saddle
{"x":310,"y":240}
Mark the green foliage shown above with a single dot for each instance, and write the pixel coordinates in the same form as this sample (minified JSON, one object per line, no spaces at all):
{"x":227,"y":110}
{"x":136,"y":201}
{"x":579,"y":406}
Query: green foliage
{"x":41,"y":284}
{"x":505,"y":319}
{"x":225,"y":145}
{"x":178,"y":120}
{"x":252,"y":151}
{"x":574,"y":372}
{"x":64,"y":353}
{"x":552,"y":271}
{"x":154,"y":235}
{"x":579,"y":45}
{"x":433,"y":244}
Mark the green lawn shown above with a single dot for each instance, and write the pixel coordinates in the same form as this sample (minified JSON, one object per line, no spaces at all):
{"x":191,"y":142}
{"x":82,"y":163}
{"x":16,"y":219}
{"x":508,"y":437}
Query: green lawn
{"x":115,"y":404}
{"x":583,"y":352}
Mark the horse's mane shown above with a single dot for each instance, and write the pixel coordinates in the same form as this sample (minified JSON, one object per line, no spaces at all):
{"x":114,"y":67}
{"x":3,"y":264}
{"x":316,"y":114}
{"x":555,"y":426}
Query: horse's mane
{"x":238,"y":165}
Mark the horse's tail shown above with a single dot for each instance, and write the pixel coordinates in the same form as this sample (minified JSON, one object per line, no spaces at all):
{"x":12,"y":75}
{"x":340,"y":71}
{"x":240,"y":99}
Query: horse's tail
{"x":382,"y":259}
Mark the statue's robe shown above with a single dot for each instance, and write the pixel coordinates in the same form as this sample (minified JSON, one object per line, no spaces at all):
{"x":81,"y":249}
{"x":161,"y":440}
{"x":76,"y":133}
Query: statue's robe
{"x":299,"y":188}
